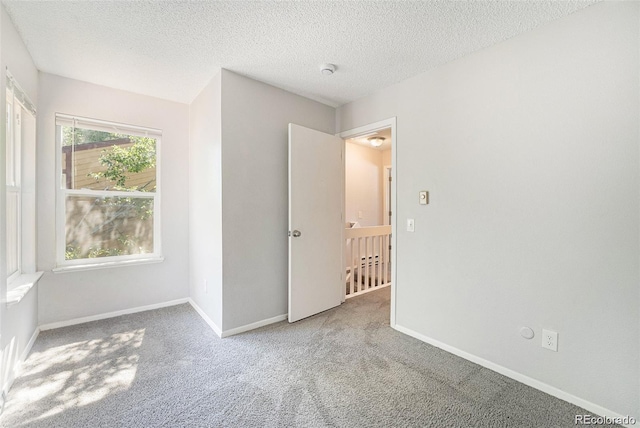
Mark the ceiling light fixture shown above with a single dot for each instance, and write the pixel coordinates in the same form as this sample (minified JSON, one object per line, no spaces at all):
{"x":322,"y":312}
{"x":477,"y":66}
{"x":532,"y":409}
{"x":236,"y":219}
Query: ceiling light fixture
{"x":327,"y":69}
{"x":376,"y":141}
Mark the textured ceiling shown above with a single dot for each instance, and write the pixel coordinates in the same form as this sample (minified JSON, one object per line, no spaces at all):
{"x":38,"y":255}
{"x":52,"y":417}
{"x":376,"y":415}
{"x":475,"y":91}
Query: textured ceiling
{"x":171,"y":49}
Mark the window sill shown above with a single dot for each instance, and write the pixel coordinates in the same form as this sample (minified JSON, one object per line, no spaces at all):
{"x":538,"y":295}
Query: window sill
{"x":105,"y":265}
{"x":20,"y":286}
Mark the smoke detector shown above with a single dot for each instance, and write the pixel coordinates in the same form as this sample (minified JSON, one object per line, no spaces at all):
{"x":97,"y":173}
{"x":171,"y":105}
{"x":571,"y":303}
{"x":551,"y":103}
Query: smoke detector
{"x":327,"y":69}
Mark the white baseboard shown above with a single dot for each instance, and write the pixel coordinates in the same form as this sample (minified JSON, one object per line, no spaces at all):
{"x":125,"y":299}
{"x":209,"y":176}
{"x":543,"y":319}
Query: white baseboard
{"x":206,"y":318}
{"x":218,"y":331}
{"x":83,"y":320}
{"x":254,"y":325}
{"x":27,"y":348}
{"x":551,"y":390}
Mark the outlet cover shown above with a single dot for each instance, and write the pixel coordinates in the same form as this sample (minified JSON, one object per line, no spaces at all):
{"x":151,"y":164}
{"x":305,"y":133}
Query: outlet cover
{"x":550,"y":340}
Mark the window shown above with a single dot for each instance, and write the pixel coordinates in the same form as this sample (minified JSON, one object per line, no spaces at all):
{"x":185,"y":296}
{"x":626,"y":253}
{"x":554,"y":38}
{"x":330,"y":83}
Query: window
{"x":20,"y":199}
{"x":109,"y":192}
{"x":14,"y":192}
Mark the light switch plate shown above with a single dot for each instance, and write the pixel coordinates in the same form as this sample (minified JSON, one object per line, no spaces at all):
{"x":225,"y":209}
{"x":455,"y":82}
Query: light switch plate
{"x":423,"y":197}
{"x":410,"y":225}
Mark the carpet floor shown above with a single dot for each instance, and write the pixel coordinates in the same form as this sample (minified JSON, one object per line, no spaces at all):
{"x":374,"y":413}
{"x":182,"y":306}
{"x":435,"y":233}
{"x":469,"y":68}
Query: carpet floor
{"x":343,"y":368}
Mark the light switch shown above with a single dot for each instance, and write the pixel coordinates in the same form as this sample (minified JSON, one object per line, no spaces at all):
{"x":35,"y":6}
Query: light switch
{"x":410,"y":225}
{"x":424,"y":197}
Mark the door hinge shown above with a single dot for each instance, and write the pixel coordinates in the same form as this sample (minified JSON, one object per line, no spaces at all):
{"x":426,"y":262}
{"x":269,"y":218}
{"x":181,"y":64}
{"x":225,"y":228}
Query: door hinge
{"x":390,"y":178}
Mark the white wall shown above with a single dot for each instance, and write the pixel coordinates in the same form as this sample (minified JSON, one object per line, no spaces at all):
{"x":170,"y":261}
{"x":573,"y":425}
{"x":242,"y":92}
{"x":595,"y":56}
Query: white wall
{"x":205,"y":201}
{"x":18,"y":322}
{"x":255,"y":117}
{"x":530,"y":152}
{"x":363,"y":184}
{"x":69,"y":295}
{"x":386,"y":158}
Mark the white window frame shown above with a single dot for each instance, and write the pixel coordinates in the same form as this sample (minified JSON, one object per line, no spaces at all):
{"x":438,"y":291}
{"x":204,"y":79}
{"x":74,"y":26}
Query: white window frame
{"x":14,"y":177}
{"x":62,"y":192}
{"x":21,"y":181}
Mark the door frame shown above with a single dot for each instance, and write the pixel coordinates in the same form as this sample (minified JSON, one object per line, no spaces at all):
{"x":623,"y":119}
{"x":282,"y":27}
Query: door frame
{"x":367,"y":129}
{"x":388,"y":170}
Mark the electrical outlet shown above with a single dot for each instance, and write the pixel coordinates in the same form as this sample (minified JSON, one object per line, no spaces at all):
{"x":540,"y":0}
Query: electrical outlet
{"x":206,"y":290}
{"x":550,"y":340}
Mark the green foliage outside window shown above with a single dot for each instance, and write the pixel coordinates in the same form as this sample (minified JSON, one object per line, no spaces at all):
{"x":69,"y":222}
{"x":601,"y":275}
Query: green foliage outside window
{"x":119,"y":164}
{"x":122,"y":161}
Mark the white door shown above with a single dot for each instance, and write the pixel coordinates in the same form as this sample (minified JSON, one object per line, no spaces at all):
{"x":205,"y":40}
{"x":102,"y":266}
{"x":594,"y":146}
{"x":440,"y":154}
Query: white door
{"x":316,"y":227}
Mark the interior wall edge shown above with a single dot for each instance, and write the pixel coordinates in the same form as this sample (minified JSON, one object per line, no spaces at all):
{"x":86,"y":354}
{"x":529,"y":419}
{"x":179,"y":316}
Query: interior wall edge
{"x":206,"y":318}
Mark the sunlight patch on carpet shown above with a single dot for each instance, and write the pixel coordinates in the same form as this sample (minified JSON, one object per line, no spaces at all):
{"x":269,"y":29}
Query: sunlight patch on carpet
{"x":80,"y":373}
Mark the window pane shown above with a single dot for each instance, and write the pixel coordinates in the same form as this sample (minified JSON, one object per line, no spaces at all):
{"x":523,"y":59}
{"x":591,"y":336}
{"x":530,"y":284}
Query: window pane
{"x":13,"y":232}
{"x":99,"y":160}
{"x":10,"y":147}
{"x":110,"y":226}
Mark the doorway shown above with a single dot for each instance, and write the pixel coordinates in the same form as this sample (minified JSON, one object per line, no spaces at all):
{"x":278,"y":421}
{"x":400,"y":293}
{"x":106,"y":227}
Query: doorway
{"x":367,"y":229}
{"x":317,"y":222}
{"x":369,"y":209}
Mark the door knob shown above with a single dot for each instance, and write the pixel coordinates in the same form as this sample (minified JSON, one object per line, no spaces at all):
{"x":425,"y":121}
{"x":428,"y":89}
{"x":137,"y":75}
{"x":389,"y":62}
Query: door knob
{"x":296,"y":233}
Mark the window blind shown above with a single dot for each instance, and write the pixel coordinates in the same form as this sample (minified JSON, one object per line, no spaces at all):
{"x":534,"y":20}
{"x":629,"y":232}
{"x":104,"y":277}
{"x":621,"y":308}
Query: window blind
{"x":105,"y":126}
{"x":19,"y":95}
